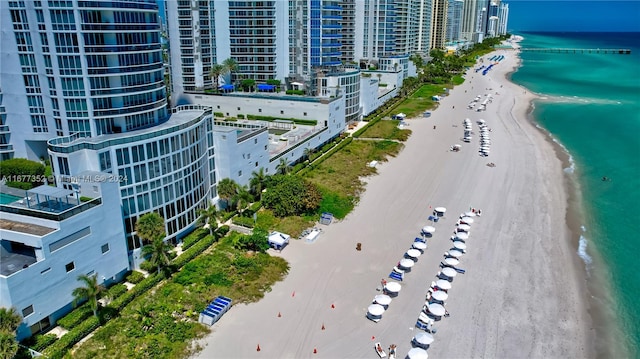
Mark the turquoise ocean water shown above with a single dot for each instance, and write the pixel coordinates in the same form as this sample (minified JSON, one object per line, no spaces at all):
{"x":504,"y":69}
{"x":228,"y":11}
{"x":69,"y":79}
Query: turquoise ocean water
{"x":593,"y":110}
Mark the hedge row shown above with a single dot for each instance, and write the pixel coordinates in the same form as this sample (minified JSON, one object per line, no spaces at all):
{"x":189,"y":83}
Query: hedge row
{"x":134,"y":277}
{"x":59,"y":348}
{"x":294,"y":120}
{"x":116,"y":291}
{"x":40,"y":342}
{"x":193,"y":238}
{"x":75,"y":317}
{"x":243,"y":221}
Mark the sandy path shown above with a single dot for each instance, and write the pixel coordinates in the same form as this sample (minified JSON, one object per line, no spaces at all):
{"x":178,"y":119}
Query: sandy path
{"x":522,"y":293}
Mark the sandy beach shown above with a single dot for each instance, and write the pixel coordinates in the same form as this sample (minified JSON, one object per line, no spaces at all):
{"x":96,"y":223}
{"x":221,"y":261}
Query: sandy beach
{"x":522,"y":295}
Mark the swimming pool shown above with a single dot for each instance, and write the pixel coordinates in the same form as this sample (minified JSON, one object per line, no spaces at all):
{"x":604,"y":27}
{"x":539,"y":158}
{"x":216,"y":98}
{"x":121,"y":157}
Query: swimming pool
{"x":7,"y":198}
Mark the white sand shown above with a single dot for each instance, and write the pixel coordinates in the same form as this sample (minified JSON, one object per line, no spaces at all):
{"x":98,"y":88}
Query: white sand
{"x":522,"y":294}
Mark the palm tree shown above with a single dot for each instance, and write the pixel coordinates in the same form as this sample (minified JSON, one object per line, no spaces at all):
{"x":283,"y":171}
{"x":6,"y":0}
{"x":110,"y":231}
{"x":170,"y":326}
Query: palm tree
{"x":230,"y":65}
{"x":9,"y":319}
{"x":308,"y":152}
{"x":227,"y":188}
{"x":243,"y":198}
{"x":157,"y":253}
{"x":282,"y":167}
{"x":150,"y":226}
{"x":91,"y":291}
{"x":256,"y":183}
{"x":216,"y":71}
{"x":209,"y":217}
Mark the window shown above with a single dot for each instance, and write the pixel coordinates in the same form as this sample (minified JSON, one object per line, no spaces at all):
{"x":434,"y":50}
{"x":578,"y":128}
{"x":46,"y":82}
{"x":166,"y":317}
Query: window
{"x":281,"y":112}
{"x":45,"y":271}
{"x":70,"y":266}
{"x":239,"y":173}
{"x":256,"y":164}
{"x":259,"y":110}
{"x":305,"y":113}
{"x":238,"y":108}
{"x":105,"y":248}
{"x":27,"y":311}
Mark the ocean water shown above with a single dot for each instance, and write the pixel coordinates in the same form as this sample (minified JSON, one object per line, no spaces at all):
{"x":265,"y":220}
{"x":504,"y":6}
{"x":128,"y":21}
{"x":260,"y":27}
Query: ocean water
{"x":592,"y":108}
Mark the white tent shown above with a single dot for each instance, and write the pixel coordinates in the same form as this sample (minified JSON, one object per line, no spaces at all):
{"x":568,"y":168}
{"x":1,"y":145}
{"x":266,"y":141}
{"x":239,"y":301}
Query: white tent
{"x":443,"y":284}
{"x":417,"y":353}
{"x":451,"y":261}
{"x":375,"y":309}
{"x":462,"y":236}
{"x":428,"y":229}
{"x":382,"y":299}
{"x":436,"y":309}
{"x":413,"y":253}
{"x":393,"y":287}
{"x":406,"y":263}
{"x":459,"y":245}
{"x":449,"y":272}
{"x":423,"y":338}
{"x":439,"y":295}
{"x":419,"y":245}
{"x":278,"y":240}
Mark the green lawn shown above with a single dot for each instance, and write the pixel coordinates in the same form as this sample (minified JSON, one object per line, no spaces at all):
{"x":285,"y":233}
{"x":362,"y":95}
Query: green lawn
{"x":421,"y":100}
{"x":163,"y":322}
{"x":339,"y":175}
{"x":386,"y":129}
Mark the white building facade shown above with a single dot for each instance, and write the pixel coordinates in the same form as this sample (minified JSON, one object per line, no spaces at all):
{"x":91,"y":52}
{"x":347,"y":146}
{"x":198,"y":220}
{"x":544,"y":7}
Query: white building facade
{"x":49,"y":239}
{"x":79,"y":67}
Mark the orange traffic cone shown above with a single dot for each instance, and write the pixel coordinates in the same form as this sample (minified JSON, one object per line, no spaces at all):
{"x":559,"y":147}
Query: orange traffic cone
{"x":279,"y":315}
{"x":315,"y":351}
{"x":258,"y":348}
{"x":322,"y":326}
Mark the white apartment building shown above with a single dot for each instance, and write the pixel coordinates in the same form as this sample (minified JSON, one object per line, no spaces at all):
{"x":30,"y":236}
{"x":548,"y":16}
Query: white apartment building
{"x":49,"y":238}
{"x":78,"y":67}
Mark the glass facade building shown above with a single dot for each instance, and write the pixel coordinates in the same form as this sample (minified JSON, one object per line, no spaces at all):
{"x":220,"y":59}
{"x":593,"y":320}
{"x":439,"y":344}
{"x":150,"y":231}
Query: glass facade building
{"x":83,"y":68}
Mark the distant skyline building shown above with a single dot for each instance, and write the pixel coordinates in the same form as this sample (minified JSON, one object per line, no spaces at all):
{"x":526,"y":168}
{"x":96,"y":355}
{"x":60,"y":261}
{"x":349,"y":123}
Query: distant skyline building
{"x":439,"y":23}
{"x":424,"y":18}
{"x":454,"y":20}
{"x":82,"y":68}
{"x":503,"y":18}
{"x":469,"y":19}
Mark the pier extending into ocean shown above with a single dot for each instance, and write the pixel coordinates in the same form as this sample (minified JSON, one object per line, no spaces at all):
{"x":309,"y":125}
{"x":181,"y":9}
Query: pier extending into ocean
{"x":578,"y":51}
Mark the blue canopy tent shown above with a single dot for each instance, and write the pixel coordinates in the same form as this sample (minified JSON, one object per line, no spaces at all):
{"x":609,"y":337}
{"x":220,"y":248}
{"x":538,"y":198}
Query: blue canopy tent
{"x":265,"y":87}
{"x":227,"y":88}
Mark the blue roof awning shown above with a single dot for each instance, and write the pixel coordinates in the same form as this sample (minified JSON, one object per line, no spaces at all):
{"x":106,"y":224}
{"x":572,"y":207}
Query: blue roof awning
{"x":227,"y":87}
{"x":265,"y":87}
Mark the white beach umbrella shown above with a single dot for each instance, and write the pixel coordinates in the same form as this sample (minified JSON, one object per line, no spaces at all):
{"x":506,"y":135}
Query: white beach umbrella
{"x":462,"y":236}
{"x":459,"y":245}
{"x":451,"y":261}
{"x":419,"y":245}
{"x":467,"y":220}
{"x":440,"y":209}
{"x":375,"y":309}
{"x":423,"y":338}
{"x":443,"y":284}
{"x":428,"y":229}
{"x":393,"y":287}
{"x":435,"y":309}
{"x":382,"y":299}
{"x":485,"y":151}
{"x":469,"y":214}
{"x":407,"y":263}
{"x":413,"y":253}
{"x":440,"y":295}
{"x":417,"y":353}
{"x":464,"y":227}
{"x":449,"y":272}
{"x":455,"y":253}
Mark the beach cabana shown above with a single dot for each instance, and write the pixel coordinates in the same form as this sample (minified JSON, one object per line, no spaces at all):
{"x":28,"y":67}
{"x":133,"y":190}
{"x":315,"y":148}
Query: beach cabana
{"x":428,"y":230}
{"x":393,"y":287}
{"x":449,"y":272}
{"x":455,"y":253}
{"x":443,"y":284}
{"x":406,"y":263}
{"x":451,"y":261}
{"x":440,"y":295}
{"x":382,"y":299}
{"x":417,"y":353}
{"x":374,"y":312}
{"x":467,"y":220}
{"x":423,"y":339}
{"x":463,"y":236}
{"x":413,"y":253}
{"x":278,"y":240}
{"x":436,"y":309}
{"x":440,"y":211}
{"x":459,"y":245}
{"x":421,"y":246}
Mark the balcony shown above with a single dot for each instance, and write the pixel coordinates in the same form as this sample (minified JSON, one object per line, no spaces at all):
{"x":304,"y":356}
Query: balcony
{"x":15,"y":257}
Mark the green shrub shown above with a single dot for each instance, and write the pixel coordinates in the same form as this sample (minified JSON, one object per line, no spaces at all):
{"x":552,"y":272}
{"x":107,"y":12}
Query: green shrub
{"x":218,"y":114}
{"x":193,"y":238}
{"x":85,"y":199}
{"x":243,"y":221}
{"x":295,"y":92}
{"x":227,"y":215}
{"x":116,"y":291}
{"x":58,"y":349}
{"x":148,"y":267}
{"x":39,"y":342}
{"x":240,"y":116}
{"x":20,"y":185}
{"x":135,"y":277}
{"x":75,"y":317}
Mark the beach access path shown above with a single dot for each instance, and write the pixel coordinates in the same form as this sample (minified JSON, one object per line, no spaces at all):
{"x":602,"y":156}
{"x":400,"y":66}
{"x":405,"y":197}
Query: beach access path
{"x":523,"y":292}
